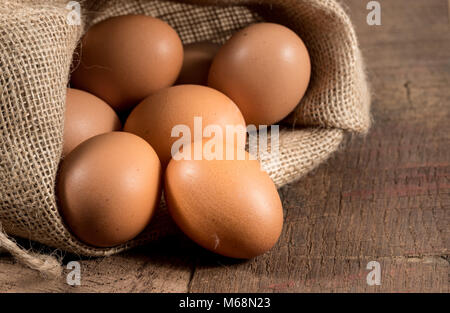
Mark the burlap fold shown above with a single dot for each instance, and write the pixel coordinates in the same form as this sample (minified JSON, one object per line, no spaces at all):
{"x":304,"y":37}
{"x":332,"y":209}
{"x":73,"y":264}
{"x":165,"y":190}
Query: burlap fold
{"x":36,"y":49}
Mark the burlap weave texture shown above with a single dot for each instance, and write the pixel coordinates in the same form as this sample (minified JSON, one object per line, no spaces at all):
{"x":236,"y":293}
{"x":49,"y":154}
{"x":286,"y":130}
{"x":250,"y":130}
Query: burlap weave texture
{"x":36,"y":49}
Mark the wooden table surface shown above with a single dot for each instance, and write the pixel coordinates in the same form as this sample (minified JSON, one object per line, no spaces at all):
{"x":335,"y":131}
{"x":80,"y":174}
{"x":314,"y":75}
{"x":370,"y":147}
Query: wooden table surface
{"x":384,"y":197}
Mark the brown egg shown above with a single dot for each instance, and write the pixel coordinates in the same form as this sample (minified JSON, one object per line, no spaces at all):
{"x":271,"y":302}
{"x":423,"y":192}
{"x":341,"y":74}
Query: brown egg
{"x":126,"y":58}
{"x":196,"y":63}
{"x":86,"y":116}
{"x":109,"y":187}
{"x":230,"y":207}
{"x":154,"y":118}
{"x":265,"y":69}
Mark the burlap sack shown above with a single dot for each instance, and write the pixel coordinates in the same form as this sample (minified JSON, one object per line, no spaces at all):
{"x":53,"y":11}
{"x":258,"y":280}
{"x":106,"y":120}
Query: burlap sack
{"x":36,"y":49}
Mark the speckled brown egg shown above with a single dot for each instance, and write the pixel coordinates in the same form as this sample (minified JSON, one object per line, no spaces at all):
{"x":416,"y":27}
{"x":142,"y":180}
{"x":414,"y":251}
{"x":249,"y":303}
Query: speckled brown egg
{"x":196,"y":63}
{"x":230,"y":207}
{"x":108,"y":188}
{"x":126,"y":58}
{"x":86,"y":116}
{"x":154,"y":118}
{"x":265,"y":69}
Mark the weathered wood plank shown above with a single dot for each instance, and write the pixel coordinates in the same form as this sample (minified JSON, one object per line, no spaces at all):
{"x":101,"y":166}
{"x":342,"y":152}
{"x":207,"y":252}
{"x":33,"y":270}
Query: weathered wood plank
{"x":385,"y":197}
{"x":160,"y":267}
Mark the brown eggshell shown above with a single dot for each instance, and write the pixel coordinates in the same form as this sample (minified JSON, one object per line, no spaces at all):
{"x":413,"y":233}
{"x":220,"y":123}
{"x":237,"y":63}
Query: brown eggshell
{"x":109,"y":187}
{"x":230,"y":207}
{"x":86,"y":116}
{"x":196,"y":63}
{"x":154,"y":118}
{"x":265,"y":69}
{"x":126,"y":58}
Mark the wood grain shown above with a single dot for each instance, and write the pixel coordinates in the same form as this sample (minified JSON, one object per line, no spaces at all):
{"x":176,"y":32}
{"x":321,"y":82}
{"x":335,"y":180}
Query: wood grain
{"x":384,"y":197}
